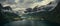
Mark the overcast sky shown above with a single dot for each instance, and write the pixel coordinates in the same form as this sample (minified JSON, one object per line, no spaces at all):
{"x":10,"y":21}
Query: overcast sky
{"x":23,"y":4}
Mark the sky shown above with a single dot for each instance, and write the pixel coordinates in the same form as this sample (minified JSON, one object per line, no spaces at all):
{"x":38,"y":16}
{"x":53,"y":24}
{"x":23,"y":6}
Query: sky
{"x":23,"y":4}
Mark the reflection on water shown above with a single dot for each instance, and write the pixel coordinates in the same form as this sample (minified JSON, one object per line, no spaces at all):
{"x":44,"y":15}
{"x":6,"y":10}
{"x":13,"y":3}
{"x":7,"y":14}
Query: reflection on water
{"x":31,"y":23}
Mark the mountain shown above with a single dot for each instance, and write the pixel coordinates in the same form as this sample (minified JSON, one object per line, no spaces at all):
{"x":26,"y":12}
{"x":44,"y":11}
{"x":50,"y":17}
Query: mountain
{"x":55,"y":14}
{"x":6,"y":16}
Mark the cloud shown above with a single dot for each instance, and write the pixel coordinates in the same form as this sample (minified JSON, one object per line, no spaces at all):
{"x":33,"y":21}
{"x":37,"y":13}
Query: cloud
{"x":44,"y":2}
{"x":31,"y":3}
{"x":23,"y":4}
{"x":1,"y":1}
{"x":26,"y":3}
